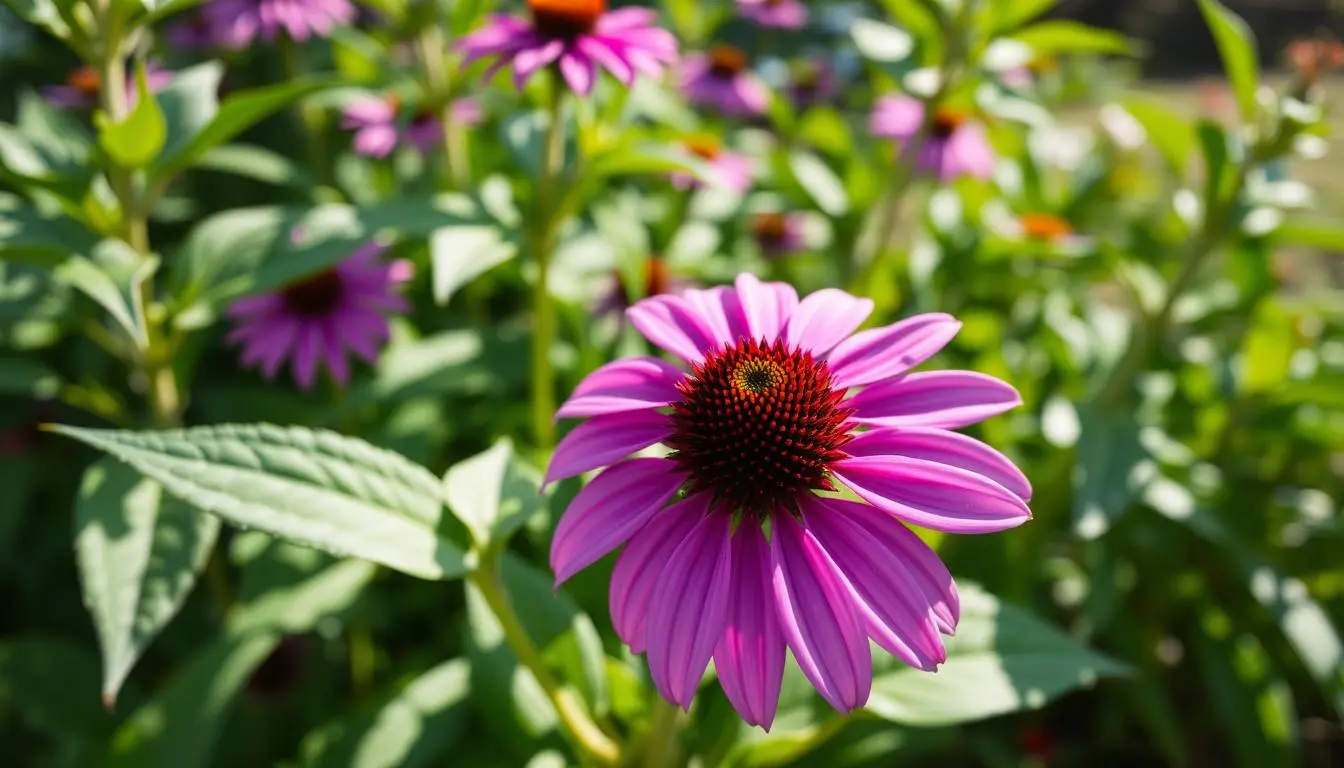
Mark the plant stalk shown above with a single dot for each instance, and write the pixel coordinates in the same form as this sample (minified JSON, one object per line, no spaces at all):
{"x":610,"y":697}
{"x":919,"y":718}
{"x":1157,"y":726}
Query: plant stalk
{"x":310,"y":117}
{"x":433,"y":55}
{"x":543,"y":243}
{"x":660,"y":750}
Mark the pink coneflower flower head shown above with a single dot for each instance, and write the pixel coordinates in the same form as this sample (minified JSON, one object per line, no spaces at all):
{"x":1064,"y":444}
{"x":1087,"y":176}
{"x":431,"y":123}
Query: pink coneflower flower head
{"x":239,"y":23}
{"x":722,"y":80}
{"x":321,"y":318}
{"x":784,"y":14}
{"x":379,"y":126}
{"x":811,"y":82}
{"x":83,"y":86}
{"x":954,"y":146}
{"x":731,"y":550}
{"x":579,"y":37}
{"x":191,"y":31}
{"x":778,"y":234}
{"x":731,"y":170}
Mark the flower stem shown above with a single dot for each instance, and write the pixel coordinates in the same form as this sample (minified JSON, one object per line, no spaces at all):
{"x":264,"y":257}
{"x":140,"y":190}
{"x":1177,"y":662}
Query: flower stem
{"x":660,"y":751}
{"x":543,"y":243}
{"x":310,"y":117}
{"x":586,"y":735}
{"x":433,"y":47}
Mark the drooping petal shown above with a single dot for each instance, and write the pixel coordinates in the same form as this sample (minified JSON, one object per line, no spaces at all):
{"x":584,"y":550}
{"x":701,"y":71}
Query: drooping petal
{"x":970,"y":152}
{"x":643,"y":563}
{"x":579,"y":71}
{"x":933,"y":495}
{"x":896,"y":117}
{"x":941,"y":399}
{"x":609,"y":510}
{"x":604,"y":439}
{"x":818,"y":617}
{"x":894,"y":608}
{"x":766,"y":306}
{"x":673,"y":323}
{"x":307,"y":346}
{"x":634,"y":383}
{"x":824,"y":319}
{"x":944,"y":447}
{"x":922,"y":563}
{"x":690,"y":606}
{"x":749,"y":658}
{"x":880,"y":353}
{"x":530,"y":60}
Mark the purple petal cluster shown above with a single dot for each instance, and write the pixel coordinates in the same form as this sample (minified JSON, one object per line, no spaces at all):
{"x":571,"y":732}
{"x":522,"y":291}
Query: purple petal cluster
{"x":240,"y":23}
{"x":83,"y":85}
{"x":378,"y":128}
{"x":954,"y":146}
{"x":783,"y":14}
{"x":721,"y":80}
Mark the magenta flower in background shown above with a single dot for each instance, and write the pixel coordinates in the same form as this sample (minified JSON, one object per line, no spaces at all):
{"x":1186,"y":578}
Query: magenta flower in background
{"x":811,"y":82}
{"x":785,"y":14}
{"x":240,"y":23}
{"x":721,"y":80}
{"x":83,"y":85}
{"x":954,"y":146}
{"x":731,"y":170}
{"x":776,"y":400}
{"x":321,"y":318}
{"x":378,"y":129}
{"x":191,"y":31}
{"x":579,"y":37}
{"x":778,"y":234}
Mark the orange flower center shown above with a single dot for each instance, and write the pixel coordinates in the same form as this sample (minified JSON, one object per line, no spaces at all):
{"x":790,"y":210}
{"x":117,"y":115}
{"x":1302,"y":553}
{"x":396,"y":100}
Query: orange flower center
{"x":566,"y":19}
{"x":703,"y":147}
{"x":946,"y":122}
{"x":85,"y":79}
{"x":393,"y":101}
{"x":1044,"y":226}
{"x":657,"y":280}
{"x":769,"y":227}
{"x":727,"y":61}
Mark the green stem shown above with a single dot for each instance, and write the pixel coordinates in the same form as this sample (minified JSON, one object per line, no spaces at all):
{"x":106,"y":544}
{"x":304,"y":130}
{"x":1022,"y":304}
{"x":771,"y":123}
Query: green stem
{"x":362,"y":657}
{"x":660,"y":750}
{"x":310,"y":116}
{"x":543,"y":243}
{"x":586,"y":735}
{"x":433,"y":47}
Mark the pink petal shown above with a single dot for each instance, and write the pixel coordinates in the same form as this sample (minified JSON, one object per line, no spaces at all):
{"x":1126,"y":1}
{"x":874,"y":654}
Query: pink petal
{"x":881,"y":353}
{"x":630,"y":384}
{"x":946,"y":399}
{"x":933,"y":495}
{"x":306,"y":350}
{"x":673,"y":323}
{"x":824,"y":319}
{"x":643,"y":563}
{"x":529,"y":60}
{"x":766,"y":306}
{"x":923,"y":564}
{"x":609,"y":510}
{"x":579,"y":71}
{"x":893,"y":606}
{"x":690,"y":606}
{"x":721,"y":312}
{"x":596,"y":49}
{"x":818,"y":617}
{"x":944,"y":447}
{"x":969,"y":150}
{"x":749,"y":658}
{"x":604,"y":439}
{"x":896,"y":117}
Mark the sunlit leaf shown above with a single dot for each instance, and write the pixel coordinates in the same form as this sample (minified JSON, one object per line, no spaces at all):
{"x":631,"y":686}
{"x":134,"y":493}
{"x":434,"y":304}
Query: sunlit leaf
{"x":1236,"y":46}
{"x":493,"y":493}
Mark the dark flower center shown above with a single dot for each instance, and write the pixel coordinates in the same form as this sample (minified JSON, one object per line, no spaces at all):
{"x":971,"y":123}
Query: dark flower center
{"x":726,"y":61}
{"x":1044,"y":226}
{"x":945,"y":123}
{"x":657,"y":280}
{"x":85,"y":79}
{"x":757,"y":425}
{"x":314,"y":296}
{"x":770,"y":227}
{"x":566,"y":19}
{"x":703,"y":147}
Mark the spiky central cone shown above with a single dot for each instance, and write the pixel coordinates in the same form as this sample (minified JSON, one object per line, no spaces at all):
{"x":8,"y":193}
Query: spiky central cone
{"x":85,"y":79}
{"x":1044,"y":226}
{"x":945,"y":123}
{"x":566,"y":19}
{"x":726,"y":61}
{"x":703,"y":147}
{"x":314,"y":296}
{"x":770,"y":228}
{"x":758,"y":425}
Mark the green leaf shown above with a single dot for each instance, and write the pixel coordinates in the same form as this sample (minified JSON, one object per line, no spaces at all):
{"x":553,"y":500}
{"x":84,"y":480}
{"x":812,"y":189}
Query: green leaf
{"x":138,"y":138}
{"x":881,"y":42}
{"x":138,"y":554}
{"x":1061,"y":36}
{"x":1006,"y":15}
{"x":1172,"y":134}
{"x":28,"y":236}
{"x":1326,"y":234}
{"x":415,"y":726}
{"x":43,"y":13}
{"x":1002,"y":660}
{"x":493,"y":493}
{"x":312,"y":487}
{"x":178,"y":727}
{"x":240,"y":111}
{"x":918,"y":17}
{"x":1236,"y":46}
{"x":48,"y":682}
{"x":462,"y":253}
{"x":820,"y":183}
{"x":111,"y":276}
{"x":646,"y":159}
{"x":256,"y":163}
{"x":1111,"y":470}
{"x":27,"y":377}
{"x":1267,"y":353}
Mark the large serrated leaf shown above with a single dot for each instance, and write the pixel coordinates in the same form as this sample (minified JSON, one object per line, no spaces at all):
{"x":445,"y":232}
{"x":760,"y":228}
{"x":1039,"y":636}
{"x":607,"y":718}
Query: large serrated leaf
{"x":138,"y":554}
{"x":312,"y":487}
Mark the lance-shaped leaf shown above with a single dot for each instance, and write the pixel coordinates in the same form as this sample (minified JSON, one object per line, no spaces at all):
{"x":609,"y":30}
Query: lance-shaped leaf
{"x":492,"y":493}
{"x":138,"y":553}
{"x":311,"y":487}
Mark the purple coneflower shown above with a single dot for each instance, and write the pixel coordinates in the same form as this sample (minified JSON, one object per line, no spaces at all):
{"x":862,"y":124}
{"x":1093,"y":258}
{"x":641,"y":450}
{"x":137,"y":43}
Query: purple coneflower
{"x":83,"y":86}
{"x":378,"y":129}
{"x":954,"y":146}
{"x":785,"y":14}
{"x":778,"y":234}
{"x":722,"y":80}
{"x":731,"y":170}
{"x":320,"y":318}
{"x":239,"y":23}
{"x":578,"y":36}
{"x":811,"y":82}
{"x":781,"y":400}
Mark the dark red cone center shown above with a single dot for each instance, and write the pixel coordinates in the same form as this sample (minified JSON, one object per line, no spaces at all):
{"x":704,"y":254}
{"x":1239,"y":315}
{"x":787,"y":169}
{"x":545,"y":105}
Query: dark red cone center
{"x":566,"y":19}
{"x":946,"y":123}
{"x":758,"y":425}
{"x":726,"y":61}
{"x":314,"y":296}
